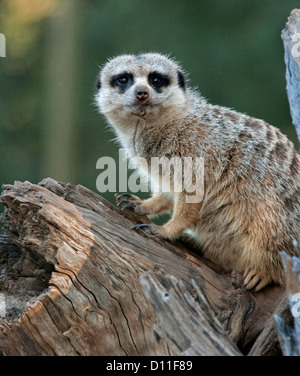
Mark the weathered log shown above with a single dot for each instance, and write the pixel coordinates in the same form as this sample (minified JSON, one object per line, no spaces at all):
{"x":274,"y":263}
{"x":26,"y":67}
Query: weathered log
{"x":70,"y":269}
{"x":267,"y":342}
{"x":186,"y":321}
{"x":291,"y":42}
{"x":290,"y":335}
{"x":289,"y":314}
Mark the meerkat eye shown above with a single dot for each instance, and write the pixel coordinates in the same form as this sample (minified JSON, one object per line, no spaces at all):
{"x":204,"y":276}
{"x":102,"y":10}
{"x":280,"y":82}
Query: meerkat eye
{"x":122,"y":80}
{"x":158,"y":80}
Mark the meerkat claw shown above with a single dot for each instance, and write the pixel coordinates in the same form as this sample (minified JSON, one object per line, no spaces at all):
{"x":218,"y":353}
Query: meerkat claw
{"x":254,"y":282}
{"x":128,"y":195}
{"x":128,"y":206}
{"x":141,"y":225}
{"x":122,"y":198}
{"x":122,"y":202}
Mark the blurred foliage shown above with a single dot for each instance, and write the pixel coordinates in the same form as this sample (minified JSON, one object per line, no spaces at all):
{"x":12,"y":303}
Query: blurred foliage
{"x":232,"y":50}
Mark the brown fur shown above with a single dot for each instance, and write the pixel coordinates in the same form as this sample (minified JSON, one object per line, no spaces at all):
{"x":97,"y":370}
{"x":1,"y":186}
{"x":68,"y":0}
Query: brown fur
{"x":251,"y":206}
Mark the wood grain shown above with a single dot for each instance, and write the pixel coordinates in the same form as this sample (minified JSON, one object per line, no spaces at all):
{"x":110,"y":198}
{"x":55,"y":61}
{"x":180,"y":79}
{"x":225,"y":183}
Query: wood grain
{"x":82,"y":264}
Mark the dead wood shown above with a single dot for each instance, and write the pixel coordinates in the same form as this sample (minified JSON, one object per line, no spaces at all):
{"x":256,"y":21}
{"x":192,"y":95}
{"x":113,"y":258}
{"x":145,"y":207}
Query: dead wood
{"x":288,"y":326}
{"x":291,"y":42}
{"x":70,"y":269}
{"x":186,"y":320}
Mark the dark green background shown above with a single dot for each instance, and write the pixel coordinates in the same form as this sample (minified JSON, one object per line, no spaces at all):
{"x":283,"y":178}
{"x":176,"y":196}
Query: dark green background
{"x":49,"y":125}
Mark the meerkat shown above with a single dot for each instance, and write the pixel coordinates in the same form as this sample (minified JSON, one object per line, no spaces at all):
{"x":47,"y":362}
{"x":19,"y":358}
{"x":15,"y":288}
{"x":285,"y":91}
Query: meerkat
{"x":250,"y":209}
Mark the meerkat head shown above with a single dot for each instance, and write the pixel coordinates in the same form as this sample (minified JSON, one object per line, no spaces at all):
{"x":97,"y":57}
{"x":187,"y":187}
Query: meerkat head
{"x":149,"y":86}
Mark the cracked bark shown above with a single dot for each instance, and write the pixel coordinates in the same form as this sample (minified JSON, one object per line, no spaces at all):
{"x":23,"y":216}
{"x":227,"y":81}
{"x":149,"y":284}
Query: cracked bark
{"x":291,"y":42}
{"x":70,"y":281}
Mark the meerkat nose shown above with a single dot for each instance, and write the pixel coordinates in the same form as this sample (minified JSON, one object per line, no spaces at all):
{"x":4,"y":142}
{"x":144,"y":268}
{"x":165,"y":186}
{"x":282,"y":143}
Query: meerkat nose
{"x":142,"y":93}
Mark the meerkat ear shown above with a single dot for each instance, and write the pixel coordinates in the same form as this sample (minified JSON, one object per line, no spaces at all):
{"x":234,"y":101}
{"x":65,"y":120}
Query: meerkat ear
{"x":98,"y":83}
{"x":181,"y":79}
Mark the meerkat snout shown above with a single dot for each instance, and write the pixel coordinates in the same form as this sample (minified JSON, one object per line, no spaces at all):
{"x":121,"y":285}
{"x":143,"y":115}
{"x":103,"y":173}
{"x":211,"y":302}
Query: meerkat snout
{"x":142,"y":93}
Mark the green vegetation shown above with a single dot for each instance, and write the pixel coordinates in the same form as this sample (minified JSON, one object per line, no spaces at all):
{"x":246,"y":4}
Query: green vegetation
{"x":49,"y":125}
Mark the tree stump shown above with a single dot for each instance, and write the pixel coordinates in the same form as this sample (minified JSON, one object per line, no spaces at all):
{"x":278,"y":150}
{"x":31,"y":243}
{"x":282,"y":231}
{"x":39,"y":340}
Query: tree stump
{"x":76,"y":280}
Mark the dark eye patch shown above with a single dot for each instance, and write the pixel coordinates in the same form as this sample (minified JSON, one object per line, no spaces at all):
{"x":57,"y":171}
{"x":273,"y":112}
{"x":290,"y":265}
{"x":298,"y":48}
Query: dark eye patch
{"x":122,"y":81}
{"x":158,"y":80}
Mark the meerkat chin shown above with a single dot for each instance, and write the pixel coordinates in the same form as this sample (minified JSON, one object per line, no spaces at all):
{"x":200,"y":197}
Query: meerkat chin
{"x":250,"y":210}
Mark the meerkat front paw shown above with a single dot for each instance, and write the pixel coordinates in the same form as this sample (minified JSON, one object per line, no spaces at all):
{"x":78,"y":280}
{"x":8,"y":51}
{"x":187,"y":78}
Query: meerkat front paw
{"x":165,"y":231}
{"x":254,"y":281}
{"x":150,"y":228}
{"x":130,"y":202}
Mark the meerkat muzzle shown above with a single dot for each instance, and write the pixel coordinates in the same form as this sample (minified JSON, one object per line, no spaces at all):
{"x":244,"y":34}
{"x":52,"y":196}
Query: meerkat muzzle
{"x":142,"y":93}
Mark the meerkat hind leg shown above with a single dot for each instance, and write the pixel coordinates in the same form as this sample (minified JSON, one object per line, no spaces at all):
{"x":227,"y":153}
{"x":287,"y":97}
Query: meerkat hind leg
{"x":253,"y":280}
